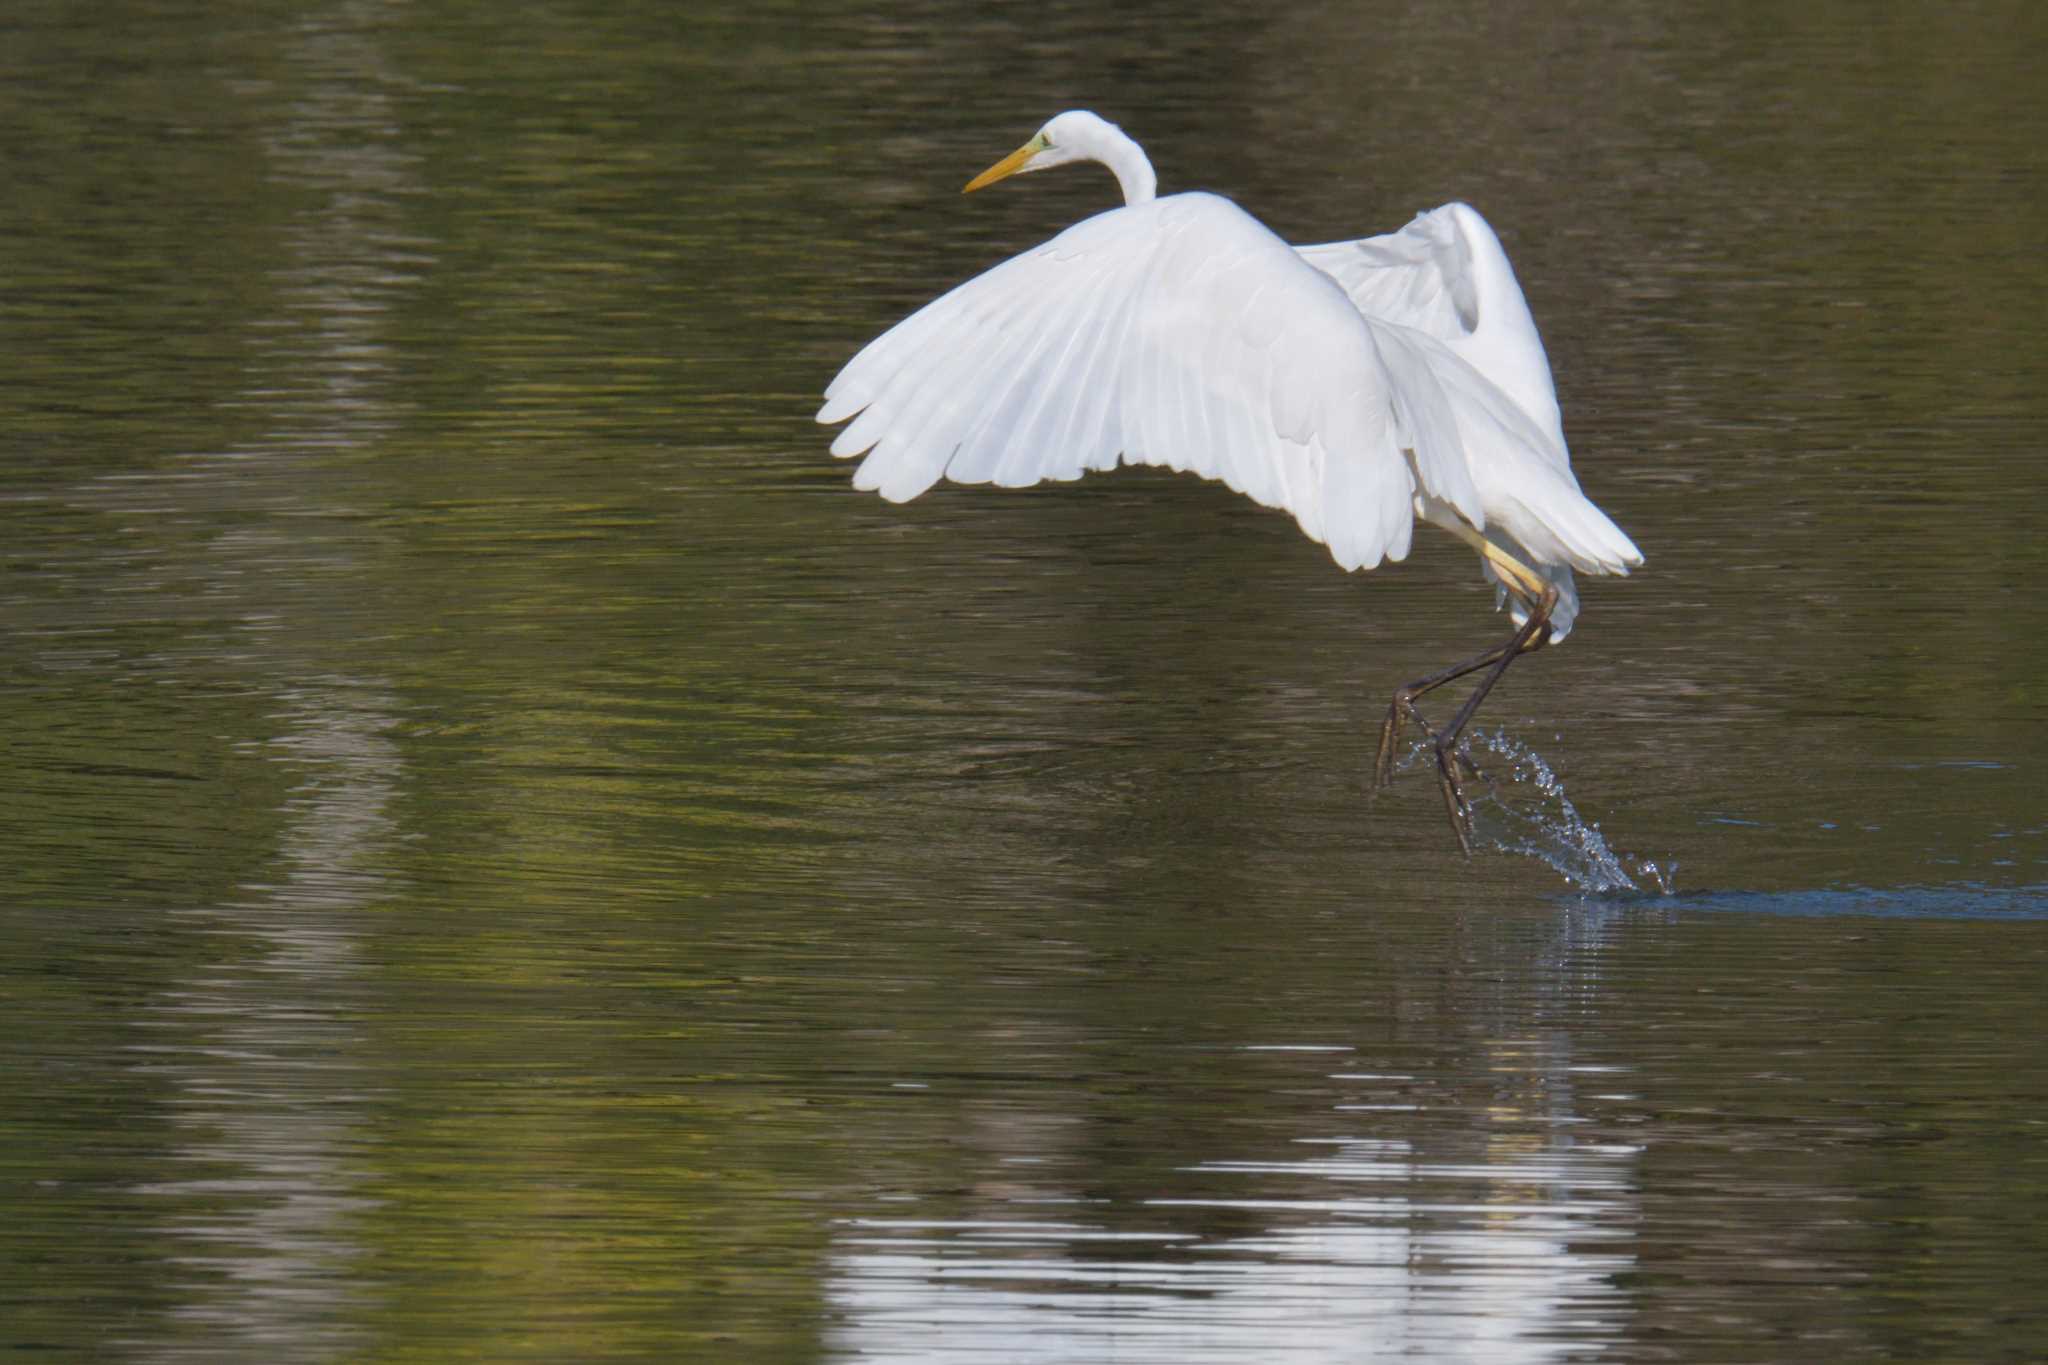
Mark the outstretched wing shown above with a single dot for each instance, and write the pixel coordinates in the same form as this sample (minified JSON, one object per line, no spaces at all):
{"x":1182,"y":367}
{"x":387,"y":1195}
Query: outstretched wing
{"x":1450,"y":321}
{"x":1179,"y":333}
{"x":1446,"y":275}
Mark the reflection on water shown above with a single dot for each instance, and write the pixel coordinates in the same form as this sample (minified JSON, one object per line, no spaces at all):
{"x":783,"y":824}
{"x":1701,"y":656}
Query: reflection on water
{"x":262,"y":1049}
{"x":1503,"y":1244}
{"x":265,"y":1064}
{"x":509,"y":856}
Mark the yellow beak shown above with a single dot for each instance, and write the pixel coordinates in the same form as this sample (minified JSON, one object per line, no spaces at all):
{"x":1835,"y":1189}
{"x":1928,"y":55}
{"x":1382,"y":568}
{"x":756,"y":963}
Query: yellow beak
{"x":1008,"y":166}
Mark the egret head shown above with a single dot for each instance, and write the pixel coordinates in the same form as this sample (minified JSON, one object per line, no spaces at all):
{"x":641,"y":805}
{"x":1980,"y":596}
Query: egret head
{"x":1076,"y":135}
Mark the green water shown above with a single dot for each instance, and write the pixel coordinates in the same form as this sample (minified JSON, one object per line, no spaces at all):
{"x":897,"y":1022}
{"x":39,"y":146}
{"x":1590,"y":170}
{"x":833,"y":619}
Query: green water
{"x":508,"y":857}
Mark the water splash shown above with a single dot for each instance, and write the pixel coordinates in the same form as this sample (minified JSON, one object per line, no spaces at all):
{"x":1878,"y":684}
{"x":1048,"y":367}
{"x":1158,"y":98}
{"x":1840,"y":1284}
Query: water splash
{"x":1523,"y":809}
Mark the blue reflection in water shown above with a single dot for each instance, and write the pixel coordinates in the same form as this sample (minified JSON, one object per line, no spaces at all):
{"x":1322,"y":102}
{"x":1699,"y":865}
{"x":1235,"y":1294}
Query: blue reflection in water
{"x":1964,"y":900}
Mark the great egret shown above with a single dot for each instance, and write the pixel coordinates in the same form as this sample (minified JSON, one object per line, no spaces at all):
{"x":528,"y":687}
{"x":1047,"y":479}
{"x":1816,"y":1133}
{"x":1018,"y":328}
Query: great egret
{"x":1359,"y":385}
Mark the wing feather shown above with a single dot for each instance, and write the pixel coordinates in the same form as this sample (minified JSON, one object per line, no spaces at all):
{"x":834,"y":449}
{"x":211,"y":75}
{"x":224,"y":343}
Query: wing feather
{"x":1447,"y":276}
{"x":1473,"y":394}
{"x":1082,"y":424}
{"x":1178,"y":333}
{"x":1022,"y":378}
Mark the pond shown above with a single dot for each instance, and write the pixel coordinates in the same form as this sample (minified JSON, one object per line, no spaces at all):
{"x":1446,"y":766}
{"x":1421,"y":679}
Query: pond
{"x":511,"y":857}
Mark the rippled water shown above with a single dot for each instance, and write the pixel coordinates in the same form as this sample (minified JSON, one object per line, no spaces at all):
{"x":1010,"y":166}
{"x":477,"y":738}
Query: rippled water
{"x":509,"y":857}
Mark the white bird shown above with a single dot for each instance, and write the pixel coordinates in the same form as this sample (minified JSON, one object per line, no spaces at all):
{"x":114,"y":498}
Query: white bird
{"x":1359,"y":385}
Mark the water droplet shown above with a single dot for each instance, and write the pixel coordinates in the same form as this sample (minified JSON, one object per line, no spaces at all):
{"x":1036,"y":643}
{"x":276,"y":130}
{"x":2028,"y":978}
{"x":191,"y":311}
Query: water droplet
{"x":1549,"y":828}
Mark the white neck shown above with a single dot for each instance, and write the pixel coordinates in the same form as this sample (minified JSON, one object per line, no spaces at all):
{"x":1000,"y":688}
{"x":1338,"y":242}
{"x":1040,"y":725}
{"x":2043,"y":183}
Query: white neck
{"x":1079,"y":135}
{"x":1133,"y":170}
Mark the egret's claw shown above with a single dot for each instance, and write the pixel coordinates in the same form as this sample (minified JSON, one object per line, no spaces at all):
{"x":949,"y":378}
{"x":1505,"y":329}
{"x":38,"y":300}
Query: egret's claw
{"x":1383,"y":760}
{"x":1390,"y":735}
{"x":1453,"y":763}
{"x":1455,"y":804}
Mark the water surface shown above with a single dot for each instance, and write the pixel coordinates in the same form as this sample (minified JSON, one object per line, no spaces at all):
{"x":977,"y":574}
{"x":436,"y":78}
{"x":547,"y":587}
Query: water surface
{"x":509,"y":857}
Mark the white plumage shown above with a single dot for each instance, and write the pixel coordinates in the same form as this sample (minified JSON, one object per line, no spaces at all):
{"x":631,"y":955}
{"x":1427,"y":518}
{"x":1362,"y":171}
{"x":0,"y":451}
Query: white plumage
{"x":1355,"y":384}
{"x":1178,"y":332}
{"x":1358,"y":385}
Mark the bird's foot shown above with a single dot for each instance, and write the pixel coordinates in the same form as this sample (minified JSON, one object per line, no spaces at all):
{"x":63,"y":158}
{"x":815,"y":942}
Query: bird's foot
{"x":1401,"y":708}
{"x":1450,"y":759}
{"x":1454,"y":765}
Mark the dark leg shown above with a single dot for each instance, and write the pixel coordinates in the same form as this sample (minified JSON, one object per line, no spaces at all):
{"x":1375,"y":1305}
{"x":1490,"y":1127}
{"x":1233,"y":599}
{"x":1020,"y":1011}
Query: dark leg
{"x":1403,"y":708}
{"x":1531,"y":634}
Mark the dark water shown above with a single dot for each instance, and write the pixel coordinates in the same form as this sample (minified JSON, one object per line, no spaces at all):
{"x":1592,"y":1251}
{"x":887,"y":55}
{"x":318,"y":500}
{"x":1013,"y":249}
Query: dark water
{"x":508,"y":857}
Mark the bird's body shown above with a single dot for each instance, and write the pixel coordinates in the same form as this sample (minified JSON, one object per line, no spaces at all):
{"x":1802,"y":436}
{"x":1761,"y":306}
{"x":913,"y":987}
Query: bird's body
{"x":1358,"y":385}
